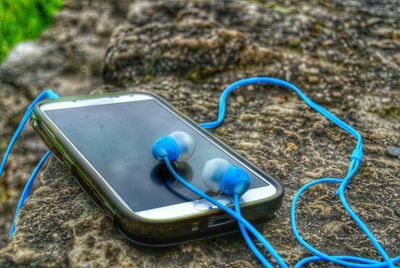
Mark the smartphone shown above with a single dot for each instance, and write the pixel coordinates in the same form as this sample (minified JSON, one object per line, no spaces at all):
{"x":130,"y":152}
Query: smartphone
{"x":105,"y":140}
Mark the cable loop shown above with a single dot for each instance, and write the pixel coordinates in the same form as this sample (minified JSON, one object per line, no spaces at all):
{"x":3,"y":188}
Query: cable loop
{"x":356,"y":159}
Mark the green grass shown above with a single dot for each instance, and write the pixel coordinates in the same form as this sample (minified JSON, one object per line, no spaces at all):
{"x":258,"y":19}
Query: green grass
{"x":24,"y":20}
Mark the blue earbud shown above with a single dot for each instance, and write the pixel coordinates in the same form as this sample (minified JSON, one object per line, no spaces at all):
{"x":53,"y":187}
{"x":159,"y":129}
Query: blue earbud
{"x":177,"y":146}
{"x":219,"y":174}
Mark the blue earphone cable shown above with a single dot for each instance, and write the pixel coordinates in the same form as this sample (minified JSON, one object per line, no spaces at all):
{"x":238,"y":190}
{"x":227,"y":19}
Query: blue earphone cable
{"x":244,"y":225}
{"x":27,"y":189}
{"x":230,"y":212}
{"x":246,"y":236}
{"x":356,"y":158}
{"x":43,"y":95}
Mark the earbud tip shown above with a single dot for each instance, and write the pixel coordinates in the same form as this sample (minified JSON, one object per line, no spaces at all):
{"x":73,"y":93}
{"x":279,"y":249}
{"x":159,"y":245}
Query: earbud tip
{"x":185,"y":144}
{"x":213,"y":172}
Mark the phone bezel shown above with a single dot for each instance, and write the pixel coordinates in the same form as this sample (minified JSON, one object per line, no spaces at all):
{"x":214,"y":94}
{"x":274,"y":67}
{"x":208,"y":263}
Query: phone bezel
{"x":167,"y":213}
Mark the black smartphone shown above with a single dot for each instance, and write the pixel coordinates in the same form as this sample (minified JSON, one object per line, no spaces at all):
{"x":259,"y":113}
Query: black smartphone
{"x":106,"y":141}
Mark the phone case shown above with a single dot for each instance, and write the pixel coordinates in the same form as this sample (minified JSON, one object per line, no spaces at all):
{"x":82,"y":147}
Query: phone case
{"x":142,"y":230}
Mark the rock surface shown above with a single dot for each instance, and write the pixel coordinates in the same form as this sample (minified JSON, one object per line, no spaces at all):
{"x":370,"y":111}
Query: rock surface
{"x":344,"y":56}
{"x":67,"y":58}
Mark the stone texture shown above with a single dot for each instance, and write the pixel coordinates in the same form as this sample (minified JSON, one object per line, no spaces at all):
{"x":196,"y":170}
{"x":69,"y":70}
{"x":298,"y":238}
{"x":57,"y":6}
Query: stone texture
{"x":344,"y":56}
{"x":393,"y":151}
{"x":68,"y":57}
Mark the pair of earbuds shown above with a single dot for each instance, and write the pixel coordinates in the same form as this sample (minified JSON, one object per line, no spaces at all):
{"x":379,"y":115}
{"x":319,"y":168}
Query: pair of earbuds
{"x":217,"y":174}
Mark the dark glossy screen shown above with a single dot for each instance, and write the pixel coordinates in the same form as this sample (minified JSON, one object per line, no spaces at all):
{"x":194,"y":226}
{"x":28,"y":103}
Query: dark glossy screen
{"x":117,"y":138}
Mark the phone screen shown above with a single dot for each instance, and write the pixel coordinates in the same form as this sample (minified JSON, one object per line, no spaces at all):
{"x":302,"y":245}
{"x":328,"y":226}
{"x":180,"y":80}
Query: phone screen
{"x":116,"y":139}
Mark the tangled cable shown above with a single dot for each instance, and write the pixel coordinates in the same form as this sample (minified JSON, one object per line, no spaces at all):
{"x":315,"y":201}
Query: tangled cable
{"x":356,"y":158}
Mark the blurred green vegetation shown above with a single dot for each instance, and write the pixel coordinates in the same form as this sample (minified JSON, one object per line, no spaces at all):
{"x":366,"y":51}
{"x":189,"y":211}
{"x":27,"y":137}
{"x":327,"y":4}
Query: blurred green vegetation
{"x":23,"y":20}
